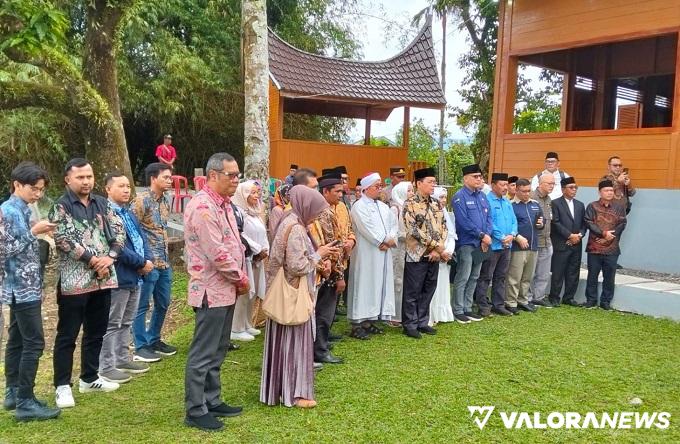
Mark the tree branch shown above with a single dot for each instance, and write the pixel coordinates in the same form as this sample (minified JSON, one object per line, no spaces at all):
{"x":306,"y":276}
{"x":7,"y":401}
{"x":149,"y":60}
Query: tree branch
{"x":21,"y":94}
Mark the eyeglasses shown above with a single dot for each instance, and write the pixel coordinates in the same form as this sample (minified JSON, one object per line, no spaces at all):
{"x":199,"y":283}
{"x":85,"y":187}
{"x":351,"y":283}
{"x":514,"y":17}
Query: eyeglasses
{"x":572,"y":187}
{"x":36,"y":189}
{"x":616,"y":165}
{"x":231,"y":176}
{"x":476,"y":176}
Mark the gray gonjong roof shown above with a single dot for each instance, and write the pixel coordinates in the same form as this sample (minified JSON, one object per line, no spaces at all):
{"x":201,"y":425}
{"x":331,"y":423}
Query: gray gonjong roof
{"x":409,"y":78}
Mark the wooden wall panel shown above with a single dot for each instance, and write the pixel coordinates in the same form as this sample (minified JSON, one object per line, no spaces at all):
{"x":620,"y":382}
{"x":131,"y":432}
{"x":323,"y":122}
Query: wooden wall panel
{"x":275,"y":113}
{"x":585,"y":158}
{"x":541,"y":24}
{"x":359,"y":159}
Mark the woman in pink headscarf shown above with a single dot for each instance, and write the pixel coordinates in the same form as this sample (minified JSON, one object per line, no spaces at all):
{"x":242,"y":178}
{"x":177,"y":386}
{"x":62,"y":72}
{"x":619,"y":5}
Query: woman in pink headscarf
{"x":288,"y":367}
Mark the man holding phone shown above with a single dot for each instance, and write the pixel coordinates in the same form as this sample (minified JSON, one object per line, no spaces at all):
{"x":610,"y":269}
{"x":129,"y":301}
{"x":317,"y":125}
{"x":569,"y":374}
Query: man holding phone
{"x":623,"y":187}
{"x":21,"y":289}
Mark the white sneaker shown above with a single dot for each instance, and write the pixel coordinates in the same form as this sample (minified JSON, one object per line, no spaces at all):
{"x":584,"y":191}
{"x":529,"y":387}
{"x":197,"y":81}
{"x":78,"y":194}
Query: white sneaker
{"x":242,"y":336}
{"x":64,"y":397}
{"x":253,"y":331}
{"x":99,"y":385}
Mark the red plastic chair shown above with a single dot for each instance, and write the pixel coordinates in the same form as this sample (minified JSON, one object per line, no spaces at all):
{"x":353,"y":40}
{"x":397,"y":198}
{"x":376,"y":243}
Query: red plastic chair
{"x":199,"y":182}
{"x":181,"y":186}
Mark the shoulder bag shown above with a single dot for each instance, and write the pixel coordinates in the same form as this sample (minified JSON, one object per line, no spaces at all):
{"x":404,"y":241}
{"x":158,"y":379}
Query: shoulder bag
{"x":285,"y":304}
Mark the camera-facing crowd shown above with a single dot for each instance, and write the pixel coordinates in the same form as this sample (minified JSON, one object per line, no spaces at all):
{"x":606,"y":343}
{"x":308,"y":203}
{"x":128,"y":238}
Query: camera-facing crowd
{"x":385,"y":256}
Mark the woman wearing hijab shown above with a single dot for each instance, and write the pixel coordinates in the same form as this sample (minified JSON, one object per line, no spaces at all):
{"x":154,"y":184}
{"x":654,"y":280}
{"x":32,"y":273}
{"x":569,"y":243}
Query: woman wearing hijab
{"x":440,"y":306}
{"x":287,"y":367}
{"x":400,"y":194}
{"x":249,"y":205}
{"x":281,"y":201}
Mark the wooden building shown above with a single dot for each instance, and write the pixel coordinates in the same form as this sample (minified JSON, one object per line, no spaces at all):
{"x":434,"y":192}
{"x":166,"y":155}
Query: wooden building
{"x":620,"y":60}
{"x":313,"y":84}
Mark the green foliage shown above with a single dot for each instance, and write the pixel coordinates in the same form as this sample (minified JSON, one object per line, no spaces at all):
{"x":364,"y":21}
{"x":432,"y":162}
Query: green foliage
{"x":36,"y":23}
{"x":538,"y":108}
{"x":423,"y":146}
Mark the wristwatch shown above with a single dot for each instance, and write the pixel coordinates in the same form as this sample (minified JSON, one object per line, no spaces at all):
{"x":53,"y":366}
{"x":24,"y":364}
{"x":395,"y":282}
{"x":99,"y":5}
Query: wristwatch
{"x":113,"y":255}
{"x":481,"y":235}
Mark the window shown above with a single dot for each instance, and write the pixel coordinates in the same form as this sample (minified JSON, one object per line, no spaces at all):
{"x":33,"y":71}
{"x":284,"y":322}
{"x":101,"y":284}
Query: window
{"x":620,"y":85}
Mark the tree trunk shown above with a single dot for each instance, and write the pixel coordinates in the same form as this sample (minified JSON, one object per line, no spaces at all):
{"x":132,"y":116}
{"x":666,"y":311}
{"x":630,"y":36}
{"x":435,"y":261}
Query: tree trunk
{"x":442,"y":157}
{"x":106,"y":146}
{"x":256,"y":92}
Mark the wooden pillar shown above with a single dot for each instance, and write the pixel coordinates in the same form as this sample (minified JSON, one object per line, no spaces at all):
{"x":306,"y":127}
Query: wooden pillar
{"x":407,"y":127}
{"x":367,"y":133}
{"x":674,"y":158}
{"x":566,"y":92}
{"x":601,"y":62}
{"x":505,"y":85}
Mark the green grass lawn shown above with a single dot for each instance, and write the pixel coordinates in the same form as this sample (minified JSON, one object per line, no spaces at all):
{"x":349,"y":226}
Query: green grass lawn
{"x":396,"y":389}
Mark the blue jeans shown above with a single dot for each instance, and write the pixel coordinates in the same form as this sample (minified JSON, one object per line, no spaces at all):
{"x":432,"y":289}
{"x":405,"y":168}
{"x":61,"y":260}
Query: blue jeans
{"x":469,"y":264}
{"x":157,"y":283}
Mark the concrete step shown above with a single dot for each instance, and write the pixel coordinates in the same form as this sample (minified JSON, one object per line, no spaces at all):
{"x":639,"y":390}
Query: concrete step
{"x":639,"y":295}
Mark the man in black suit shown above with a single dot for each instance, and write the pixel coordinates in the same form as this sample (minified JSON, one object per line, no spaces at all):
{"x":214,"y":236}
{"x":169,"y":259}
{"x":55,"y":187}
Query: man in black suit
{"x":568,"y":228}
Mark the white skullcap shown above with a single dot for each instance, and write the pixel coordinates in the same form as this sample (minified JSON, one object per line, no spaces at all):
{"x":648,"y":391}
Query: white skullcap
{"x":439,"y":192}
{"x":369,"y":180}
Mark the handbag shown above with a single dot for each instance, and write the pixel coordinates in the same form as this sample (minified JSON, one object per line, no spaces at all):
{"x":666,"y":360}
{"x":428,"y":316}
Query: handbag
{"x":285,"y":304}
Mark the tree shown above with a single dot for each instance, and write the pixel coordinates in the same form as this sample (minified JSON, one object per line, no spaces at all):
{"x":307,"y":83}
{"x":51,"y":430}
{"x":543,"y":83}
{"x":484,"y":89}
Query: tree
{"x":256,"y":91}
{"x":84,"y":89}
{"x":538,"y":105}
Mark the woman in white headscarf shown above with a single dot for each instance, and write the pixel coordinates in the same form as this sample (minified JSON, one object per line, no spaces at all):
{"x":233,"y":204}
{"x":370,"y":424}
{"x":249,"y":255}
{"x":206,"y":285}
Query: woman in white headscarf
{"x":249,"y":206}
{"x":400,"y":194}
{"x":440,"y":307}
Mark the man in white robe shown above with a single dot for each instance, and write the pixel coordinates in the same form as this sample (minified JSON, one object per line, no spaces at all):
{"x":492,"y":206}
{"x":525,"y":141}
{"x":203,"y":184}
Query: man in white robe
{"x":371,"y":282}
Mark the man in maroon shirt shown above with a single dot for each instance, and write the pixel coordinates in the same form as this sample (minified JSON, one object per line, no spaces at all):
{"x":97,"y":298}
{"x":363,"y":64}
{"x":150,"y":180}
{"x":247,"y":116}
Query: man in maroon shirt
{"x":166,"y":152}
{"x":605,"y":222}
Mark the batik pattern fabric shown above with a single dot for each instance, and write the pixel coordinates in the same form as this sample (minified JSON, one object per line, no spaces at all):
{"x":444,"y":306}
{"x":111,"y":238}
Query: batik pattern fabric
{"x":425,"y":227}
{"x":153,"y":212}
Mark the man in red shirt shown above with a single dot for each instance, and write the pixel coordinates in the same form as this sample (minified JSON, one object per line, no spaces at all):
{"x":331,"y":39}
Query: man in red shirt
{"x":166,"y":152}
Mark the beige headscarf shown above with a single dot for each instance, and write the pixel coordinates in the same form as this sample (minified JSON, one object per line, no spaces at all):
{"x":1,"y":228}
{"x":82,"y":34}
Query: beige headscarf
{"x":240,"y":199}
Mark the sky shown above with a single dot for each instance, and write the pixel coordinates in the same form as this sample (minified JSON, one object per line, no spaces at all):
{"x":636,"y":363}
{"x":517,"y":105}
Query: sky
{"x":376,"y":16}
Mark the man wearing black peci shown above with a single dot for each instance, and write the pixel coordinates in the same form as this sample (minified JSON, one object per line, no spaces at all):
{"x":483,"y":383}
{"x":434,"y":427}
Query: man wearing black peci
{"x":568,"y":229}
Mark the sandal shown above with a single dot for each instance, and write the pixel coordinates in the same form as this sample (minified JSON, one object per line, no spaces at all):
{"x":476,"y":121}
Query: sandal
{"x":372,"y":329}
{"x":305,"y":403}
{"x":359,"y":333}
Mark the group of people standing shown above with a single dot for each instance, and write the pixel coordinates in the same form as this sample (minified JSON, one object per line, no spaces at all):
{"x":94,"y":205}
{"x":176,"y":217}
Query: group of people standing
{"x":395,"y":255}
{"x":112,"y":262}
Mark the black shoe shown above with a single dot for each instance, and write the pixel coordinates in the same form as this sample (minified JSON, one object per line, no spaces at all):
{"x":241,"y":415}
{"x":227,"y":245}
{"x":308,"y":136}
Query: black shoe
{"x":225,"y":410}
{"x":572,"y":303}
{"x":473,"y":316}
{"x":30,"y":409}
{"x":461,"y":319}
{"x":619,"y":267}
{"x":334,"y":337}
{"x":527,"y":307}
{"x":514,"y":310}
{"x":359,"y":333}
{"x":10,"y":402}
{"x":205,"y":422}
{"x":233,"y":346}
{"x":485,"y":313}
{"x":590,"y":304}
{"x":555,"y":302}
{"x":164,"y":349}
{"x":542,"y":303}
{"x":329,"y":359}
{"x":427,"y":330}
{"x":605,"y":306}
{"x":502,"y":311}
{"x":412,"y":333}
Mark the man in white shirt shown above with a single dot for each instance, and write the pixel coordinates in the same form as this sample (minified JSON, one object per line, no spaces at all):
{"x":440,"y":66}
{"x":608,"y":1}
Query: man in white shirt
{"x":552,"y":166}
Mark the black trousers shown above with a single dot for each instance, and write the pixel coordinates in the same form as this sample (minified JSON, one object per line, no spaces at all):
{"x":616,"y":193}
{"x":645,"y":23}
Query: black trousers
{"x":91,"y":311}
{"x":607,"y":265}
{"x":495,"y":268}
{"x":420,"y":283}
{"x":25,"y":345}
{"x":565,"y":267}
{"x":326,"y":301}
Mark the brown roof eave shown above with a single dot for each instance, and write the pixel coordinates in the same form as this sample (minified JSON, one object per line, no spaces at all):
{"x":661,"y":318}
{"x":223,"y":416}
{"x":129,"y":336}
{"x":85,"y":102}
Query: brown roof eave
{"x":362,"y":101}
